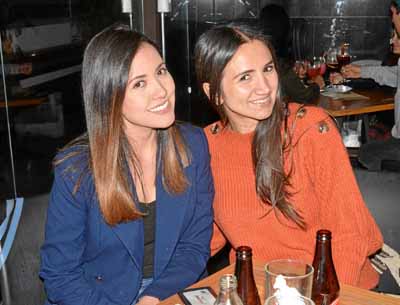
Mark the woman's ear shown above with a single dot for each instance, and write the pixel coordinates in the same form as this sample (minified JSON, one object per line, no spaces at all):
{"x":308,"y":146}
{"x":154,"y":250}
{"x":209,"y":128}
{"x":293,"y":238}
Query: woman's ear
{"x":206,"y":89}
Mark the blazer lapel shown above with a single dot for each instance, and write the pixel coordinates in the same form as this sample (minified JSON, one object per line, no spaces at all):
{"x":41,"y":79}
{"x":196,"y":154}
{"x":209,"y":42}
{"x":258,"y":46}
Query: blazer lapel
{"x":131,"y":235}
{"x":170,"y":214}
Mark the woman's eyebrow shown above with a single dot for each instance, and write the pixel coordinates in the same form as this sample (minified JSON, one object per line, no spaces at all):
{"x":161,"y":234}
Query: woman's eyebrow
{"x":251,"y":70}
{"x":242,"y":73}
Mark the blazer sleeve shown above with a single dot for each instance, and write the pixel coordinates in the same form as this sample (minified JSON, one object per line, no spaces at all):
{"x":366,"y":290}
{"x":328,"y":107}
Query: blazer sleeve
{"x":218,"y":240}
{"x":193,"y":249}
{"x":342,"y":208}
{"x":64,"y":245}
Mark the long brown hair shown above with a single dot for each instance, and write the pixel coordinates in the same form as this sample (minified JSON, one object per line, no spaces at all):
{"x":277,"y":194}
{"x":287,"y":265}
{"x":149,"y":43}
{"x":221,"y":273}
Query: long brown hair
{"x":213,"y":51}
{"x":105,"y":69}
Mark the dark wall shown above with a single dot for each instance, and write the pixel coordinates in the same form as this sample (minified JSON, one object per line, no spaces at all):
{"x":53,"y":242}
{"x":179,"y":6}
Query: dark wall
{"x":324,"y":23}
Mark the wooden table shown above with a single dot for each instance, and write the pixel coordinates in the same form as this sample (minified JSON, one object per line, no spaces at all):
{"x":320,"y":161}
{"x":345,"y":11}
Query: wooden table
{"x":348,"y":295}
{"x":380,"y":99}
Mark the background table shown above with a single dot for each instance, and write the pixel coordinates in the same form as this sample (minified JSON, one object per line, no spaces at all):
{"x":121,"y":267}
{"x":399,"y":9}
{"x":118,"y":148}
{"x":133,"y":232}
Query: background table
{"x":348,"y":295}
{"x":379,"y":99}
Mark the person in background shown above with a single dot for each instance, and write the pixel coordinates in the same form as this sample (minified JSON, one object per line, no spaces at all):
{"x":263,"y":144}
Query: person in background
{"x":130,"y":213}
{"x":383,"y":75}
{"x":373,"y":154}
{"x":281,"y":171}
{"x":275,"y":24}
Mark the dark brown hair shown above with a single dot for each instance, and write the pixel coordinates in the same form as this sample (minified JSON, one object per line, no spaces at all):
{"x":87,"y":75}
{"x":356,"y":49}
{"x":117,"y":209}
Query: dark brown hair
{"x":105,"y":69}
{"x":213,"y":51}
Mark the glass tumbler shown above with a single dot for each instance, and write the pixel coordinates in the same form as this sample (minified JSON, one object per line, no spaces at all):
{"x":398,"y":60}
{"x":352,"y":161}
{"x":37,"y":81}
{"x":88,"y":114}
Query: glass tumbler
{"x":288,"y":277}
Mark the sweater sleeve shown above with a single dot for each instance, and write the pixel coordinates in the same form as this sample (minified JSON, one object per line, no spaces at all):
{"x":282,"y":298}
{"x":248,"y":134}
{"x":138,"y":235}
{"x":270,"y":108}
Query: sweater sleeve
{"x":342,"y":210}
{"x":383,"y":75}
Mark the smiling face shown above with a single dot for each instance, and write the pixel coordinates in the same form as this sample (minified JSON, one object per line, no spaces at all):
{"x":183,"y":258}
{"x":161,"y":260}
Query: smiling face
{"x":395,"y":42}
{"x":249,"y":86}
{"x":150,"y":93}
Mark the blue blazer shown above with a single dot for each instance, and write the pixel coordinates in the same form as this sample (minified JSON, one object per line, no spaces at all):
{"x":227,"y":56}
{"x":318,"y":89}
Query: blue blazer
{"x":86,"y":261}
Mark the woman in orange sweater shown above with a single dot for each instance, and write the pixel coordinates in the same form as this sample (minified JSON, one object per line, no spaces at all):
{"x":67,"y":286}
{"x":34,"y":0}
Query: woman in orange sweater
{"x":280,"y":171}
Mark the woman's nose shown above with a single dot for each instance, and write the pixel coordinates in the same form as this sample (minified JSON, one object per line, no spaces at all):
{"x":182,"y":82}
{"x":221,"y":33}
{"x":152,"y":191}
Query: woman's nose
{"x":160,"y":90}
{"x":263,"y":85}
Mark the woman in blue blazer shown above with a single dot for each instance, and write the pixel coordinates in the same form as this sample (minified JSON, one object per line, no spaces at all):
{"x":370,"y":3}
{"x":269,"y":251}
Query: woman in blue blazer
{"x":130,"y":213}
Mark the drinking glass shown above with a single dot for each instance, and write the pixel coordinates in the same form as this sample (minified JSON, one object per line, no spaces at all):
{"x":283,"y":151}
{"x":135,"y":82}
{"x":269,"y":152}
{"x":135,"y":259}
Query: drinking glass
{"x":331,"y":60}
{"x":322,"y":68}
{"x":314,"y":67}
{"x":288,"y":277}
{"x":343,"y":55}
{"x":277,"y":300}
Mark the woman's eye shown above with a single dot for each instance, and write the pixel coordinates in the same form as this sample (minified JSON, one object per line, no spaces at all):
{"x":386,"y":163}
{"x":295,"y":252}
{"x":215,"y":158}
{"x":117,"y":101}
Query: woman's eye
{"x":162,"y":71}
{"x":269,"y":68}
{"x":139,"y":84}
{"x":244,"y":77}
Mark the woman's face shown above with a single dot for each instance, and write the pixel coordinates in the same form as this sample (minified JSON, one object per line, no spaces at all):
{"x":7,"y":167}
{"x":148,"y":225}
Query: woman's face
{"x":150,"y":93}
{"x":249,"y":86}
{"x":395,"y":41}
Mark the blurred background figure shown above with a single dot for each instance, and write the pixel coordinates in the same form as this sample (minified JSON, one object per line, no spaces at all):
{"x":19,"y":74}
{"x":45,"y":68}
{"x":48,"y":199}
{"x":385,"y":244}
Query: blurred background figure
{"x":274,"y":22}
{"x":374,"y":154}
{"x":383,"y":75}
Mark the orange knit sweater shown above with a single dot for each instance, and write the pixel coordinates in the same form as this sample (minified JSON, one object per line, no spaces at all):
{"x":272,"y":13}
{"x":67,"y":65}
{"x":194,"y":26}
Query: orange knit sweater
{"x":324,"y":191}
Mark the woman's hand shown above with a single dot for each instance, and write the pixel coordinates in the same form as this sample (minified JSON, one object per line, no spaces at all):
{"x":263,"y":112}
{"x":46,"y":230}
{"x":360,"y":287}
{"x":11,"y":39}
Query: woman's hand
{"x":351,"y":71}
{"x":319,"y":80}
{"x":335,"y":78}
{"x":148,"y":300}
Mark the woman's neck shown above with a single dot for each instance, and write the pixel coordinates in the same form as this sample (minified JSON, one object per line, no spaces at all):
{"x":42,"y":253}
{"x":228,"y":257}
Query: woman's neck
{"x":143,"y":143}
{"x":242,"y":128}
{"x":145,"y":149}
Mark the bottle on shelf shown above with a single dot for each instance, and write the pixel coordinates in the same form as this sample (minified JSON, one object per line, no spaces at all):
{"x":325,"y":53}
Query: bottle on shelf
{"x":325,"y":289}
{"x":228,"y":291}
{"x":247,"y":288}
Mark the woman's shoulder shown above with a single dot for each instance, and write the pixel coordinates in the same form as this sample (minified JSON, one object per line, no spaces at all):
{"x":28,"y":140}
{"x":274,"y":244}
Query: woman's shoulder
{"x":194,"y":138}
{"x":213,"y":129}
{"x":72,"y":161}
{"x":308,"y":119}
{"x":189,"y":129}
{"x":191,"y":133}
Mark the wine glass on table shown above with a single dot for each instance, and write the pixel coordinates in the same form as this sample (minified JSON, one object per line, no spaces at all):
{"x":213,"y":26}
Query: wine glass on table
{"x":343,"y":57}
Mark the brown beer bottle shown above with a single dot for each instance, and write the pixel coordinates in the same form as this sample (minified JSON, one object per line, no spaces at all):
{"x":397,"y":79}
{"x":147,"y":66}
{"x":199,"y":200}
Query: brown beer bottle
{"x":325,"y":290}
{"x":247,"y":288}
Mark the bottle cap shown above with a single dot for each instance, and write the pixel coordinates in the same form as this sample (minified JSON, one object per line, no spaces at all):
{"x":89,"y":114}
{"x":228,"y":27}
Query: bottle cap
{"x":323,"y":235}
{"x":228,"y":281}
{"x":244,"y":252}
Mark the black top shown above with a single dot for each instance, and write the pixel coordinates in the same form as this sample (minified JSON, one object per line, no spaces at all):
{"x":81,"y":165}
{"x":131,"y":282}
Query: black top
{"x":149,"y":224}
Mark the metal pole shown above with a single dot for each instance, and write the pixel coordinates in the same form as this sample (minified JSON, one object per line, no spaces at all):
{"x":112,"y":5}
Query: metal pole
{"x":8,"y":119}
{"x":162,"y":35}
{"x":130,"y":21}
